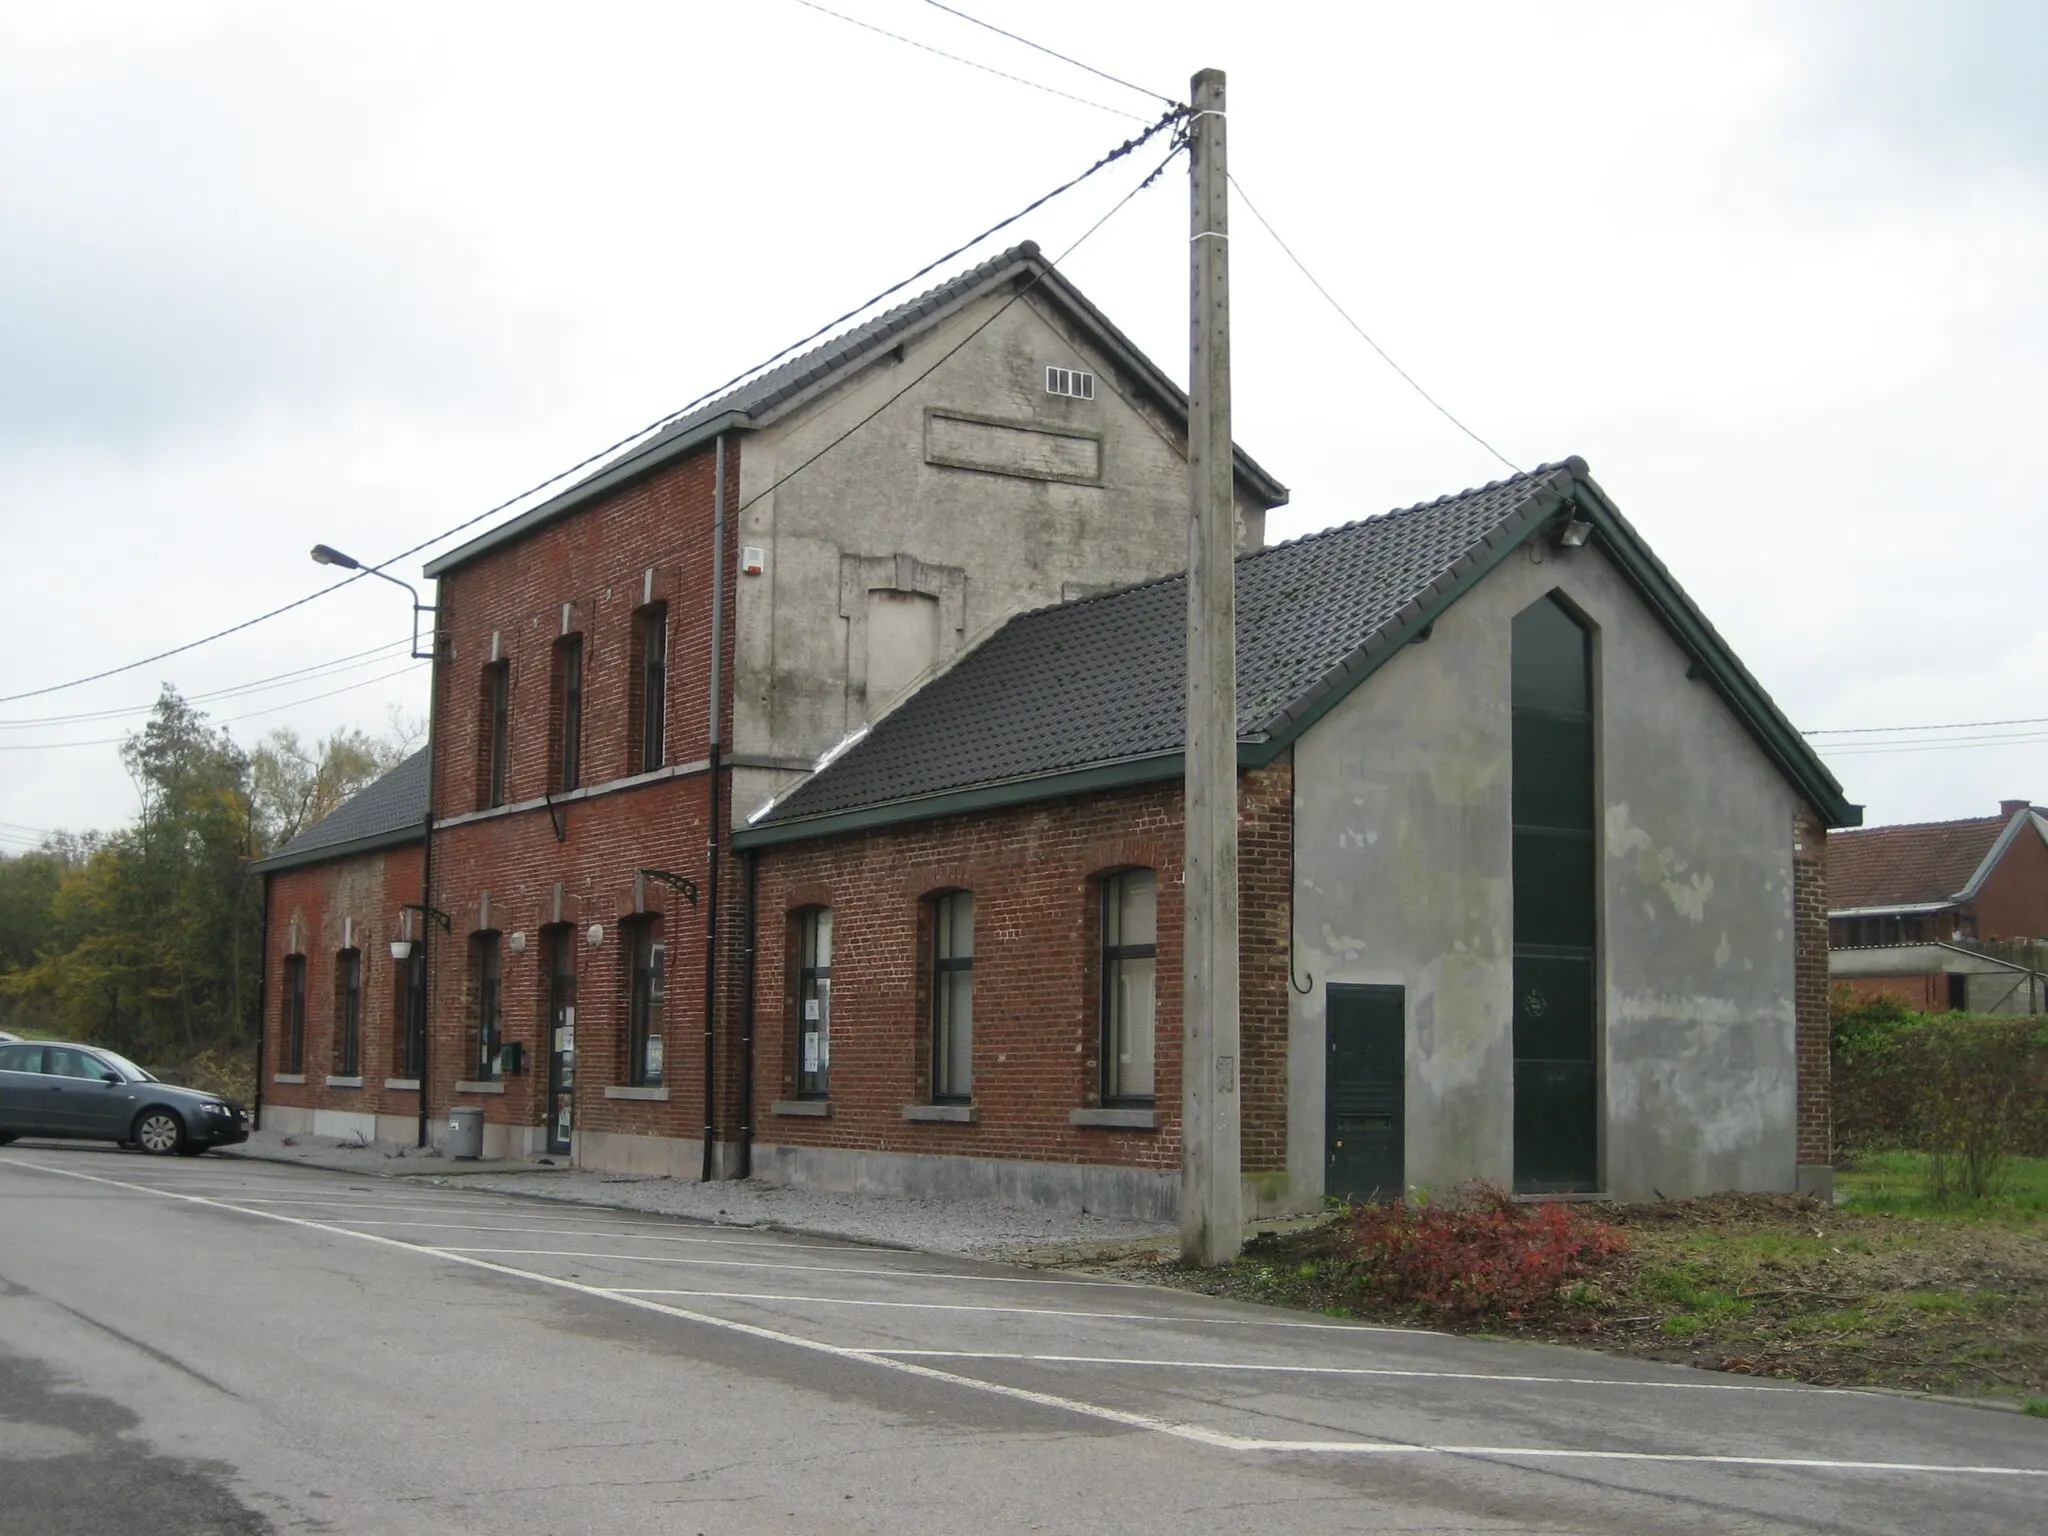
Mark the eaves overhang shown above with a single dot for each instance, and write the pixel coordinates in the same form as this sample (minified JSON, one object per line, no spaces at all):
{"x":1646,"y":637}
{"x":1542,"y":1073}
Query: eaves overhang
{"x":329,"y":853}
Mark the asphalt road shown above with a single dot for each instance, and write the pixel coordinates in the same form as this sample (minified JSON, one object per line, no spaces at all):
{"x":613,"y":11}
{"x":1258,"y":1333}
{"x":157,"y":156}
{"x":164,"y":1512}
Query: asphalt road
{"x":212,"y":1346}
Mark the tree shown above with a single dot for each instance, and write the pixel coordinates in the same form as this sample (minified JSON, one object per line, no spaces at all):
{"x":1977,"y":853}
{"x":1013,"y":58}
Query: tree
{"x":292,"y":785}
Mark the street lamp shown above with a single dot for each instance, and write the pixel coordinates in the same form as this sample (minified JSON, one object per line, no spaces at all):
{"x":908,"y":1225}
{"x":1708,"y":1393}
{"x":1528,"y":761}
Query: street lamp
{"x":327,"y":554}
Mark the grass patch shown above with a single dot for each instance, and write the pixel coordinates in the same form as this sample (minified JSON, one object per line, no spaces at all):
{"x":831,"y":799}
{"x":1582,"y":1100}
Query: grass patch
{"x":1899,"y":1184}
{"x":2036,"y":1408}
{"x":1768,"y":1285}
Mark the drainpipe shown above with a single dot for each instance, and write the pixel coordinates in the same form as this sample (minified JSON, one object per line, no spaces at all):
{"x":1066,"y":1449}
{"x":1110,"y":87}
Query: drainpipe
{"x":750,"y":858}
{"x":715,"y":832}
{"x":427,"y":880}
{"x":262,"y":999}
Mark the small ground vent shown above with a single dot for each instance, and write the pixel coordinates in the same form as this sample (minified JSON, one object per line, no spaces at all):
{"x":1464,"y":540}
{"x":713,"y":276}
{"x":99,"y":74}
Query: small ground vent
{"x":1070,"y":381}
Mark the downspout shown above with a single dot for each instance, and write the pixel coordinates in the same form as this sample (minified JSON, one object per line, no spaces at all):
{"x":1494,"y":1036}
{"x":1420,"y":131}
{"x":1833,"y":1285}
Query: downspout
{"x":427,"y":878}
{"x":751,"y":858}
{"x":262,"y":1000}
{"x":715,"y":832}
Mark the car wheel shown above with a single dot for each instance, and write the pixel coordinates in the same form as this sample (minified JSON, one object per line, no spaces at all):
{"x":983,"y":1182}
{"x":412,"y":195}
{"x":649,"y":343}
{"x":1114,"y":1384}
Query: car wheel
{"x":159,"y":1132}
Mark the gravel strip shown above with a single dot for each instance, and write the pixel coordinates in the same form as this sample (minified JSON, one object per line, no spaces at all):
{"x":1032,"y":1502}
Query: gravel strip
{"x":965,"y":1228}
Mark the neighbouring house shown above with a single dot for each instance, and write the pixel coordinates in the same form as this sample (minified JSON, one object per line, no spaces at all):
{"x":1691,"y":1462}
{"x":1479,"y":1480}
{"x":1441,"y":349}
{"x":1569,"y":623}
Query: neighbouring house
{"x":803,"y":800}
{"x":624,"y":669}
{"x":1943,"y":915}
{"x":1532,"y":888}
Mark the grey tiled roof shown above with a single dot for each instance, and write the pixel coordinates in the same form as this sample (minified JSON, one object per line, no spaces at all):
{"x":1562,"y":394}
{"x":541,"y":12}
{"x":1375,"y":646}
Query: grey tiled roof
{"x":385,"y":811}
{"x":758,"y":397}
{"x":1103,"y":680}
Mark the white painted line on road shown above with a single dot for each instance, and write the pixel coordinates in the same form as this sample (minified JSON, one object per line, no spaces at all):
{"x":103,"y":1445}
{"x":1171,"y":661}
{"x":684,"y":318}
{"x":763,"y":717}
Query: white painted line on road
{"x":1198,"y":1434}
{"x":1364,"y":1370}
{"x":648,"y":1234}
{"x":808,"y":1269}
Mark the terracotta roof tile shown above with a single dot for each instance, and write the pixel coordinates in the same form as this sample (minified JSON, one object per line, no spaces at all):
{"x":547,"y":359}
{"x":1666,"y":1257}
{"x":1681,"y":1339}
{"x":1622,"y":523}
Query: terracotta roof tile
{"x":1909,"y":864}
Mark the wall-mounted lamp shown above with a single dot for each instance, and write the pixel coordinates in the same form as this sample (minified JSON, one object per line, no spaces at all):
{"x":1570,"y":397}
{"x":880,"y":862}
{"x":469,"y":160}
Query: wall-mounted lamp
{"x":327,"y":554}
{"x":401,"y":950}
{"x":1573,"y":534}
{"x":594,"y":935}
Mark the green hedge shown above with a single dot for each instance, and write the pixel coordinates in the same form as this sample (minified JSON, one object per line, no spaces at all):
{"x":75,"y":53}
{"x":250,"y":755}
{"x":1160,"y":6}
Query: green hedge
{"x":1968,"y":1089}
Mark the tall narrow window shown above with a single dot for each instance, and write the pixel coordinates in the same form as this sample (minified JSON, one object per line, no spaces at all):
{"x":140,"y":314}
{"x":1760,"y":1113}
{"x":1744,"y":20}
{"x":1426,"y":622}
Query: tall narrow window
{"x":561,"y":1028}
{"x":814,"y":1003}
{"x":497,"y":726}
{"x":348,"y":1013}
{"x":650,"y":685}
{"x":567,"y":714}
{"x":1556,"y":1129}
{"x":489,"y":1008}
{"x":1130,"y":965}
{"x":294,"y":1013}
{"x":643,"y":1007}
{"x":409,"y":1043}
{"x":953,"y":998}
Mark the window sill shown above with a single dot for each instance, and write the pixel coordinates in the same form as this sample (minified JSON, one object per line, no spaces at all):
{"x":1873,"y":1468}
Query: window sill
{"x":1115,"y":1119}
{"x":954,"y":1114}
{"x":479,"y":1087}
{"x":289,"y":1077}
{"x":345,"y":1082}
{"x":403,"y":1084}
{"x":649,"y":1095}
{"x":816,"y":1108}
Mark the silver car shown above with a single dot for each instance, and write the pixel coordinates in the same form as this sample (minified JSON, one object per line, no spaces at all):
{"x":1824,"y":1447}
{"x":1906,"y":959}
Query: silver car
{"x":93,"y":1093}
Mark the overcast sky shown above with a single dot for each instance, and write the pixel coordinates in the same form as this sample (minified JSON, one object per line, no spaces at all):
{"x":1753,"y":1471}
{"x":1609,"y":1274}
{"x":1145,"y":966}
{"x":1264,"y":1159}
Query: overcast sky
{"x":354,"y":273}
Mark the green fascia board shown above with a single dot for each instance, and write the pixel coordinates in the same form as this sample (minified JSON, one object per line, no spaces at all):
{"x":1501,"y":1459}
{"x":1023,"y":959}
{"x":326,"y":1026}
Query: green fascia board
{"x":630,"y":466}
{"x":1154,"y":769}
{"x":398,"y":837}
{"x":1779,"y":738}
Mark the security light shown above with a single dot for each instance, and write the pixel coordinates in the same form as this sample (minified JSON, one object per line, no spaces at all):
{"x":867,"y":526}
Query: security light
{"x":1573,"y":534}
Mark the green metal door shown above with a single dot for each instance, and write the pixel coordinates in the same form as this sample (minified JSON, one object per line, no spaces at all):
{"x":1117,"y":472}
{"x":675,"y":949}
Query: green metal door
{"x":1364,"y":1092}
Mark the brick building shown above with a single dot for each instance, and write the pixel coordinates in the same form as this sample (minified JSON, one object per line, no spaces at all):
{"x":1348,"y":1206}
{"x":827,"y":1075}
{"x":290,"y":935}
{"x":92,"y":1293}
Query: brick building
{"x":686,"y":632}
{"x":1944,"y":915}
{"x":1532,"y":889}
{"x":803,"y":800}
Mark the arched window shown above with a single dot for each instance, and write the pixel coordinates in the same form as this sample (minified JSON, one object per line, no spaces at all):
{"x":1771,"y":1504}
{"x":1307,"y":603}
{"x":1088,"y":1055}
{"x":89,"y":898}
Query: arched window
{"x":1130,"y":935}
{"x":814,"y":1003}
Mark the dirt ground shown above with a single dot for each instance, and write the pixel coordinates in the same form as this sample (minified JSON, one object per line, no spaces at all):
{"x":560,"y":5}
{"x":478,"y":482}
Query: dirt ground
{"x":1768,"y":1285}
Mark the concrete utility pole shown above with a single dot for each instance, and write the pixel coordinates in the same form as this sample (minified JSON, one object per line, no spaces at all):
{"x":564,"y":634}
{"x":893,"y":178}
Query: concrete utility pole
{"x":1211,"y":1174}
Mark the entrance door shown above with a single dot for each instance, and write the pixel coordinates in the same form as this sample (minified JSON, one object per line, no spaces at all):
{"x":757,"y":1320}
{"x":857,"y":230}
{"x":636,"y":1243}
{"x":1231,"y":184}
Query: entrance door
{"x":561,"y":1038}
{"x":1365,"y":1092}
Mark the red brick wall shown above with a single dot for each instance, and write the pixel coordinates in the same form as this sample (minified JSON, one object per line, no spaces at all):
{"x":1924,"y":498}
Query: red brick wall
{"x":1923,"y":994}
{"x":2013,"y":903}
{"x":595,"y":559}
{"x":309,"y":907}
{"x":1037,"y":1023}
{"x":1815,"y":1139}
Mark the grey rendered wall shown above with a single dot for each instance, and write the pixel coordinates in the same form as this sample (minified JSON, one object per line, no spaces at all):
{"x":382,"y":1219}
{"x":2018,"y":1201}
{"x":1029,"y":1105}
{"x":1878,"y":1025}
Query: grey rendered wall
{"x":1403,"y":872}
{"x":873,"y":514}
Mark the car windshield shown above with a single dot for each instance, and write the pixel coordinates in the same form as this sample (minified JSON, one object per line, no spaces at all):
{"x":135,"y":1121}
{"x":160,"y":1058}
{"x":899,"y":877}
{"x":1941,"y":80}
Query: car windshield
{"x":124,"y":1066}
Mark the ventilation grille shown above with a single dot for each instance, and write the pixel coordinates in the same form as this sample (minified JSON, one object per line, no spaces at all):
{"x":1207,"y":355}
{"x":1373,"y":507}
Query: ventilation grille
{"x":1070,"y":381}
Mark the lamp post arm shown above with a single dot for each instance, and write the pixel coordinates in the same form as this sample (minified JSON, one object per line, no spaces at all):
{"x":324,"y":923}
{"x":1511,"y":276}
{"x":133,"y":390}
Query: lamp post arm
{"x":418,"y":608}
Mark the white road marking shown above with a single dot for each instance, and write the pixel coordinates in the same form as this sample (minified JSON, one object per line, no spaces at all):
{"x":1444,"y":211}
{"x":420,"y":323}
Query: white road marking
{"x":808,"y":1269}
{"x":650,"y":1234}
{"x":1365,"y":1370}
{"x":962,"y":1306}
{"x":1199,"y":1434}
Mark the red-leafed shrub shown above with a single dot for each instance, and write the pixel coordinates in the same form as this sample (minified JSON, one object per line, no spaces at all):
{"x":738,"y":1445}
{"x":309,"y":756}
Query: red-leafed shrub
{"x":1482,"y":1252}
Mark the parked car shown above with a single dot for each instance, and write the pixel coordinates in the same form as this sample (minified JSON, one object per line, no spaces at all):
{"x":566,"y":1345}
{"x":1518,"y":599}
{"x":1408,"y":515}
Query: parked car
{"x":6,"y":1038}
{"x":90,"y":1092}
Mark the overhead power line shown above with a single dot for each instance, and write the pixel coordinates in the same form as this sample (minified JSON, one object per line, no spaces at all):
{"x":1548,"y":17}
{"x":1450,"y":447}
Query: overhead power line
{"x":329,"y":668}
{"x":1408,"y":378}
{"x":254,"y":714}
{"x":1953,"y":725}
{"x":868,"y":26}
{"x":623,"y":443}
{"x":1101,"y":74}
